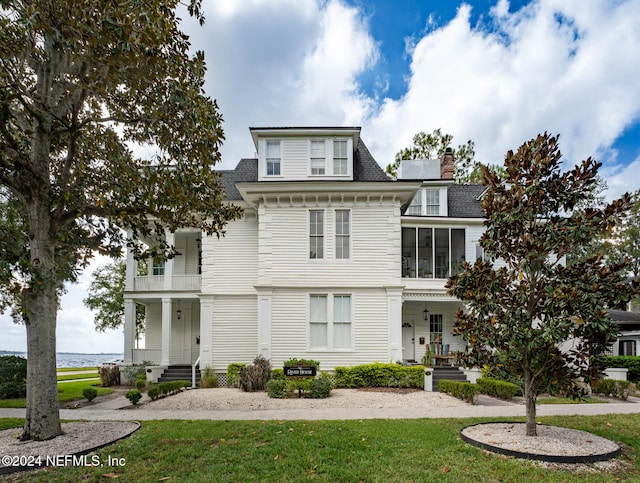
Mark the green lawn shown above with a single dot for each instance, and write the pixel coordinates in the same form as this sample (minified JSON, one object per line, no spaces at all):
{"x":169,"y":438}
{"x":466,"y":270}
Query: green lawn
{"x":339,"y":451}
{"x":569,"y":400}
{"x":71,"y":369}
{"x":71,"y":377}
{"x":69,"y":391}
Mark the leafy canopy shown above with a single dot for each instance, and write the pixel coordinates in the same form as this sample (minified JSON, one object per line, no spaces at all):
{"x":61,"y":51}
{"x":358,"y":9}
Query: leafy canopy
{"x":539,"y":318}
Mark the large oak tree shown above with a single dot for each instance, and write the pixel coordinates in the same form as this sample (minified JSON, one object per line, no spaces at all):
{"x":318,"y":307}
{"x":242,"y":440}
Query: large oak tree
{"x":531,"y":313}
{"x":83,"y":86}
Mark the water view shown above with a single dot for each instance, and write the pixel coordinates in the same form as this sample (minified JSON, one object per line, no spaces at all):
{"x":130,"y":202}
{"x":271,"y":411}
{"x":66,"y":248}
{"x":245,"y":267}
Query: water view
{"x":73,"y":359}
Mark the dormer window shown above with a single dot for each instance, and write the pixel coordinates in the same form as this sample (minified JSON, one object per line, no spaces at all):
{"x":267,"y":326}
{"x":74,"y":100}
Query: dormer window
{"x":318,"y":157}
{"x":273,"y":158}
{"x":328,"y":157}
{"x":340,"y":157}
{"x":426,"y":202}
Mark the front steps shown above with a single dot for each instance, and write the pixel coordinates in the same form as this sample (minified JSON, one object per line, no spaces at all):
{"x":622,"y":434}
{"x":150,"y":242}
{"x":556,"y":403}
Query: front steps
{"x":179,"y":373}
{"x":450,"y":373}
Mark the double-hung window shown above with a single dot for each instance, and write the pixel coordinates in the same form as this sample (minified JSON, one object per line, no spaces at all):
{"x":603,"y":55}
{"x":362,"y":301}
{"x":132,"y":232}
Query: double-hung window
{"x":158,"y":267}
{"x":343,"y":233}
{"x":316,"y":234}
{"x":273,"y":158}
{"x":330,"y":321}
{"x":340,"y":158}
{"x":432,"y":199}
{"x":415,"y":208}
{"x":318,"y":157}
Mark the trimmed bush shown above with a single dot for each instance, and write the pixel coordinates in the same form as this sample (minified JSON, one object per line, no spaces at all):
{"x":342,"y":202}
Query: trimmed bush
{"x":233,"y":373}
{"x":320,"y":387}
{"x":462,"y":390}
{"x":141,"y":381}
{"x":380,"y":375}
{"x":208,"y":379}
{"x":13,"y":377}
{"x":497,"y":388}
{"x":90,"y":393}
{"x":294,"y":362}
{"x":278,"y":374}
{"x":134,"y":396}
{"x":153,"y":391}
{"x":277,"y":388}
{"x":612,"y":388}
{"x":630,"y":362}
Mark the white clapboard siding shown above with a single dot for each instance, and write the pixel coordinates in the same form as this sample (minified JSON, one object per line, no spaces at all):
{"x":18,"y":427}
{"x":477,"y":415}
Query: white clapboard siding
{"x":153,"y":327}
{"x":234,"y":330}
{"x":295,"y":159}
{"x":191,"y":256}
{"x":229,"y":263}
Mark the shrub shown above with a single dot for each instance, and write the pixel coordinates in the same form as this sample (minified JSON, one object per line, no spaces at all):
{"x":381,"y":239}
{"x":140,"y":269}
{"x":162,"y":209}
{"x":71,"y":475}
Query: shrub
{"x":277,"y":388}
{"x":134,"y":396}
{"x":612,"y":388}
{"x":278,"y":374}
{"x":13,"y":389}
{"x":630,"y":362}
{"x":497,"y":388}
{"x":320,"y":387}
{"x":129,"y":374}
{"x":380,"y":375}
{"x":293,"y":362}
{"x":208,"y":379}
{"x":141,"y":381}
{"x":109,"y":376}
{"x":171,"y":387}
{"x":90,"y":393}
{"x":233,"y":373}
{"x":462,"y":390}
{"x":299,"y":384}
{"x":255,"y":377}
{"x":153,"y":391}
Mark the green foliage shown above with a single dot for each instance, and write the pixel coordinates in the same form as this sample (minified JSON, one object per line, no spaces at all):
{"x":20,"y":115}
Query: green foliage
{"x":497,"y":388}
{"x":13,"y":389}
{"x":168,"y":388}
{"x":153,"y":391}
{"x":320,"y":387}
{"x":501,"y":373}
{"x":630,"y":362}
{"x":13,"y":377}
{"x":612,"y":388}
{"x":379,"y":375}
{"x":105,"y":297}
{"x":141,"y":381}
{"x":233,"y":373}
{"x":208,"y":378}
{"x":255,"y":377}
{"x":109,"y":376}
{"x":277,"y":388}
{"x":294,"y":362}
{"x":134,"y":396}
{"x":278,"y":373}
{"x":462,"y":390}
{"x":90,"y":393}
{"x":518,"y":315}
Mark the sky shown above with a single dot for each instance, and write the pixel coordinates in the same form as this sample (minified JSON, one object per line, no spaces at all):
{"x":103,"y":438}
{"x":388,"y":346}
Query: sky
{"x":491,"y":71}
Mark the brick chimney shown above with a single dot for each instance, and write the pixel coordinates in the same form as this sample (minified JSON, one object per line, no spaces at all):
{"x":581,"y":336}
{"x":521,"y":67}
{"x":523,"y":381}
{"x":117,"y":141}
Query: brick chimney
{"x":446,"y":164}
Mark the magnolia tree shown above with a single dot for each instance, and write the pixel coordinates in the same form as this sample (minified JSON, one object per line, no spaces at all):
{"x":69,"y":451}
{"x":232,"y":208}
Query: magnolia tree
{"x":81,"y":83}
{"x":537,"y":316}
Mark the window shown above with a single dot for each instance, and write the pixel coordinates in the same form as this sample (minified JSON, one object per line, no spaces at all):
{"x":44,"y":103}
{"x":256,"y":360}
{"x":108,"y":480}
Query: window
{"x":627,"y":348}
{"x":273,"y":158}
{"x":342,"y":234}
{"x":318,"y":321}
{"x":158,"y":267}
{"x":341,"y":321}
{"x":330,"y":321}
{"x":316,"y":234}
{"x":432,"y":197}
{"x":435,"y":328}
{"x":432,"y":252}
{"x":415,"y":208}
{"x":317,"y":157}
{"x":340,"y":158}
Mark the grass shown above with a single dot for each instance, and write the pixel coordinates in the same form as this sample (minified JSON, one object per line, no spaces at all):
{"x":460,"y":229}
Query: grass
{"x":71,"y":377}
{"x":366,"y":450}
{"x":569,"y":400}
{"x":72,"y":369}
{"x":69,"y":391}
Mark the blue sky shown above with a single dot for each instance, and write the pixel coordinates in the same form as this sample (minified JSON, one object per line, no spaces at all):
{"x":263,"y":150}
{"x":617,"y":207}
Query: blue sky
{"x":495,"y":72}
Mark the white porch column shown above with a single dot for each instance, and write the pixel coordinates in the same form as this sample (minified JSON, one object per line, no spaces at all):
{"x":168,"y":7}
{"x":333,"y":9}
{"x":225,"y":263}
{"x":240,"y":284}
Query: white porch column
{"x":206,"y":330}
{"x":265,"y":296}
{"x":130,"y":271}
{"x":166,"y":332}
{"x":129,"y":329}
{"x":394,"y":307}
{"x":168,"y":265}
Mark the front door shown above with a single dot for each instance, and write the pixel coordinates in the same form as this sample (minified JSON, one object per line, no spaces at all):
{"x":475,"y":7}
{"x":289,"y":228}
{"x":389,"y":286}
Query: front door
{"x":408,"y":341}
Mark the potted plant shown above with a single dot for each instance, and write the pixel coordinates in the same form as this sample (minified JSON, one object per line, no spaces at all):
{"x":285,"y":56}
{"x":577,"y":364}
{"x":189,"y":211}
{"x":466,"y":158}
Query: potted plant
{"x":427,"y":358}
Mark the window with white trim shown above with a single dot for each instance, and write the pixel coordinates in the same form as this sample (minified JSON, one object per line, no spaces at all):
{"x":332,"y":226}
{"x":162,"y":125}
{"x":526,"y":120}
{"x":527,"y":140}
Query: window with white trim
{"x":316,"y":234}
{"x":158,"y":267}
{"x":343,"y":233}
{"x":340,"y":158}
{"x":318,"y":157}
{"x":415,"y":208}
{"x":426,"y":202}
{"x":273,"y":158}
{"x":330,"y":321}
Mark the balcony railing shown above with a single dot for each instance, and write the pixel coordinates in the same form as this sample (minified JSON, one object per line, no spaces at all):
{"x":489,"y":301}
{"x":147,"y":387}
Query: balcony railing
{"x":152,"y":283}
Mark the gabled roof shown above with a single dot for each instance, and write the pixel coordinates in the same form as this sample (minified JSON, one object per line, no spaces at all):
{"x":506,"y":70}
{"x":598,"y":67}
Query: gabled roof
{"x":365,"y":169}
{"x":464,"y":200}
{"x":624,"y":317}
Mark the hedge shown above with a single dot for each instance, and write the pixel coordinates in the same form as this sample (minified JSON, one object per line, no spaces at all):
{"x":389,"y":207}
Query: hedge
{"x":630,"y":362}
{"x":612,"y":388}
{"x":497,"y":388}
{"x":462,"y":390}
{"x":379,"y":375}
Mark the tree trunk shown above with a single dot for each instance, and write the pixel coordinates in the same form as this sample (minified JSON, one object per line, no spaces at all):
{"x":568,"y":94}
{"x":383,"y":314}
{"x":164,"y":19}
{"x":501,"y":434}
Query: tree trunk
{"x":530,"y":405}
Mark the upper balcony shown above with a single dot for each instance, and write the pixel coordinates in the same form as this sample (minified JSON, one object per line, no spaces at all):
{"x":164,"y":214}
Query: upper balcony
{"x":154,"y":283}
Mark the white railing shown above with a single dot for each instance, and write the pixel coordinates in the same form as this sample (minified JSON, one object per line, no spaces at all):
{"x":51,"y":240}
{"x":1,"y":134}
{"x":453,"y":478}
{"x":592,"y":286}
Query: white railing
{"x":149,"y":355}
{"x":193,"y":373}
{"x":151,"y":283}
{"x":185,"y":282}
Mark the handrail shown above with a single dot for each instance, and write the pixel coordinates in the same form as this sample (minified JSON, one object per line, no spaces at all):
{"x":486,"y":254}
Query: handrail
{"x":193,"y":373}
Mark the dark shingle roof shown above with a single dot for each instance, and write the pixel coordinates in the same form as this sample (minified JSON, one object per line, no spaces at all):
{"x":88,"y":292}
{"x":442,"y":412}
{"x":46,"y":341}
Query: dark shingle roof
{"x":624,"y":317}
{"x":464,"y":200}
{"x":365,"y":168}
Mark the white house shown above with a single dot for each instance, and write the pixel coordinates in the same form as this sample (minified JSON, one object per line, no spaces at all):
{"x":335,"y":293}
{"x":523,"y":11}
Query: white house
{"x":332,"y":261}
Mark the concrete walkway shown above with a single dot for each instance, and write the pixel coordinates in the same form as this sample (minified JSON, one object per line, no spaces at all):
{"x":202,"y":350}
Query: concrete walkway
{"x":114,"y":410}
